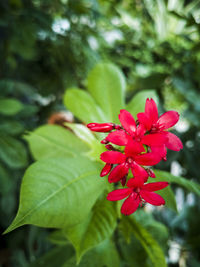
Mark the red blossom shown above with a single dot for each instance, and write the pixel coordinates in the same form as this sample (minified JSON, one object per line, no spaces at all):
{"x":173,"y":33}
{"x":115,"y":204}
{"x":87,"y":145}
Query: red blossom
{"x":155,"y":124}
{"x":142,"y":143}
{"x":137,"y":193}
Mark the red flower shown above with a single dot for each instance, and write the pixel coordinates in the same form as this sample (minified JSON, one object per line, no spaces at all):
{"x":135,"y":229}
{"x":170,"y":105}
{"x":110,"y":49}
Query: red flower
{"x":130,"y":160}
{"x":131,"y":131}
{"x":157,"y":125}
{"x":137,"y":193}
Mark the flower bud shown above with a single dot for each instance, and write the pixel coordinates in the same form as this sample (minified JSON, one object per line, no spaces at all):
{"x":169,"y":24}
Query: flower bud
{"x":151,"y":173}
{"x":123,"y":180}
{"x":106,"y":169}
{"x":101,"y":127}
{"x":109,"y":147}
{"x":104,"y":141}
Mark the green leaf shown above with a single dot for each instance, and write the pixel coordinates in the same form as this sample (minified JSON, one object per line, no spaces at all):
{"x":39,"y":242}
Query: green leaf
{"x":94,"y":229}
{"x":9,"y":106}
{"x":166,"y":193}
{"x":106,"y":84}
{"x":57,"y":237}
{"x":150,"y":245}
{"x":82,"y":132}
{"x":54,"y":141}
{"x":168,"y":177}
{"x":58,"y":192}
{"x":11,"y":127}
{"x":5,"y":182}
{"x":83,"y":106}
{"x":137,"y":103}
{"x":157,"y":229}
{"x":12,"y":152}
{"x":55,"y":257}
{"x":104,"y":255}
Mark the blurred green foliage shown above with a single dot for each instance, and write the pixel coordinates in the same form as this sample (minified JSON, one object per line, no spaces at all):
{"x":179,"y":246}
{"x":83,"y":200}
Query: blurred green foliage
{"x":48,"y":46}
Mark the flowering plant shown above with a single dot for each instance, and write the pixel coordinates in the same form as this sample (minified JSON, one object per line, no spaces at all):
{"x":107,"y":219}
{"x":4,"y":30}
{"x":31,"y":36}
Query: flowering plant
{"x":61,"y":188}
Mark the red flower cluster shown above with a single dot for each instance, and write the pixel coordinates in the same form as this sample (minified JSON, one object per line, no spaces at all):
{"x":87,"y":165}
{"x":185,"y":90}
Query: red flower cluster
{"x":137,"y":144}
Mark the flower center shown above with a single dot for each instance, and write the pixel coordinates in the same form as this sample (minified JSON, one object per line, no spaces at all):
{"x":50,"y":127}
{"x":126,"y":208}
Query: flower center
{"x":129,"y":160}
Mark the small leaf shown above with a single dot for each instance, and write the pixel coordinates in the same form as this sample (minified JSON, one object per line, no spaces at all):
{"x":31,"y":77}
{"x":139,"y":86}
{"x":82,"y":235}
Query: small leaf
{"x":57,"y":237}
{"x":150,"y":245}
{"x":12,"y":152}
{"x":137,"y":103}
{"x":168,"y":177}
{"x":55,"y":257}
{"x":11,"y":127}
{"x":94,"y":229}
{"x":9,"y":106}
{"x":82,"y":132}
{"x":58,"y":192}
{"x":106,"y":84}
{"x":5,"y":182}
{"x":83,"y":106}
{"x":54,"y":141}
{"x":104,"y":255}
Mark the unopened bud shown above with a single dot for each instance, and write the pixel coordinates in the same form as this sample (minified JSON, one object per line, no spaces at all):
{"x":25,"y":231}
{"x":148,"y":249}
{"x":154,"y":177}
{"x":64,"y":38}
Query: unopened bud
{"x":104,"y":141}
{"x":101,"y":127}
{"x":164,"y":158}
{"x":109,"y":147}
{"x":123,"y":180}
{"x":151,"y":173}
{"x":117,"y":127}
{"x":106,"y":169}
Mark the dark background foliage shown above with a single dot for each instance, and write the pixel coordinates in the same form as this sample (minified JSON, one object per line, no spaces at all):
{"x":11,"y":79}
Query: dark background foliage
{"x":47,"y":46}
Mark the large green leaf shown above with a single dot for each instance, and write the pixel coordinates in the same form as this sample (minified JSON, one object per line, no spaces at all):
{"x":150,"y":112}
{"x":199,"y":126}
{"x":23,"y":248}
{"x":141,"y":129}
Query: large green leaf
{"x":54,"y":141}
{"x":150,"y":245}
{"x":83,"y":106}
{"x":9,"y":106}
{"x":168,"y":177}
{"x":58,"y":192}
{"x":107,"y":85}
{"x":137,"y":103}
{"x":12,"y":152}
{"x":94,"y":229}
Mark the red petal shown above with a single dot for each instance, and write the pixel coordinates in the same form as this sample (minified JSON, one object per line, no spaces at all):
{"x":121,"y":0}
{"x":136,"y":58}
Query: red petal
{"x":168,"y":119}
{"x":138,"y":170}
{"x":152,"y":198}
{"x":130,"y":205}
{"x":154,"y":139}
{"x":133,"y":148}
{"x":119,"y":138}
{"x":140,"y":131}
{"x":135,"y":182}
{"x":143,"y":119}
{"x":127,"y":121}
{"x":151,"y":110}
{"x":118,"y":173}
{"x":159,"y":150}
{"x":113,"y":157}
{"x":173,"y":143}
{"x":106,"y":169}
{"x":119,"y":194}
{"x":148,"y":159}
{"x":155,"y":186}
